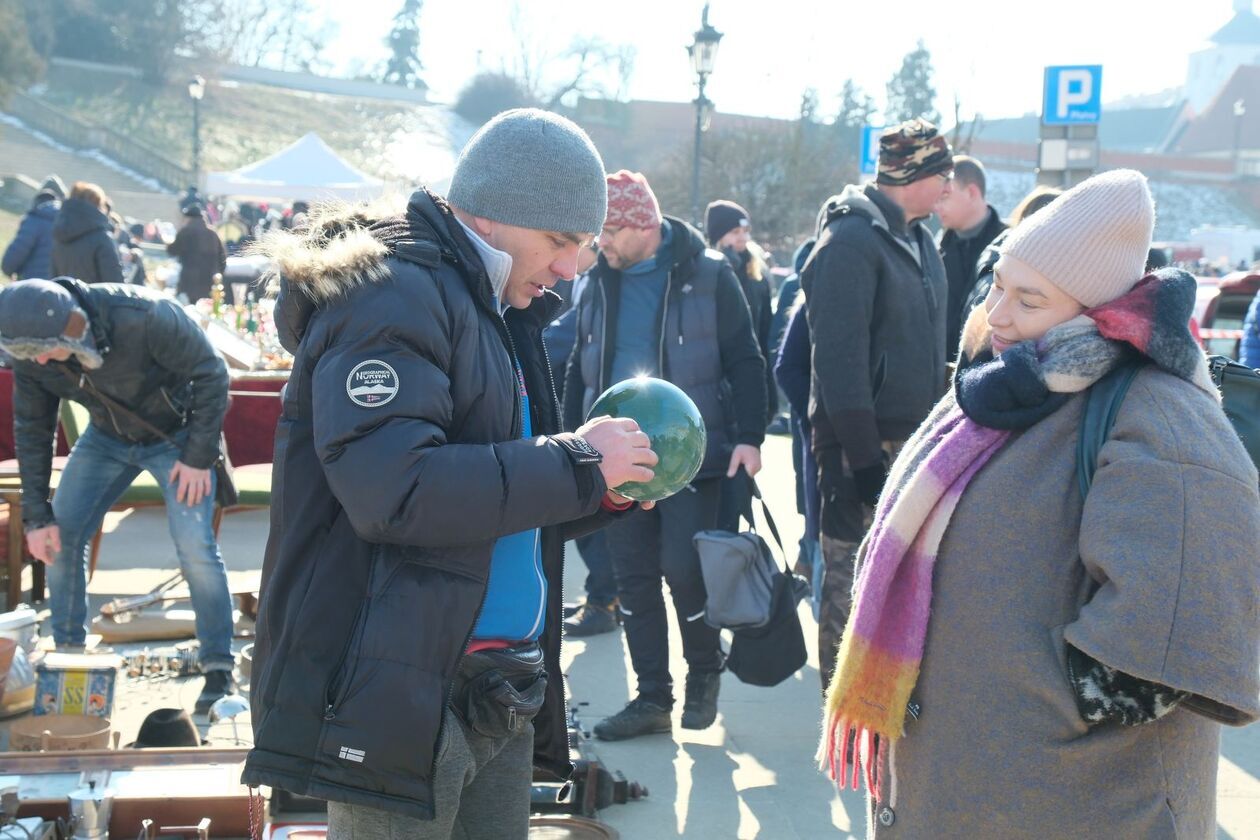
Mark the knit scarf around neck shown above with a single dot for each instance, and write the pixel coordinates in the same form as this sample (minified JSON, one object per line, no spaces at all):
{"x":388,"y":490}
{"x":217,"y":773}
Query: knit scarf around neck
{"x":878,"y":660}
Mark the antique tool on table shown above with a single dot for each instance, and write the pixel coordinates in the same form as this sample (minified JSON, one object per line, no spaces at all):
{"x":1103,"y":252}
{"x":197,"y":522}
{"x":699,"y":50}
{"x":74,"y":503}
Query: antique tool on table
{"x":149,"y":830}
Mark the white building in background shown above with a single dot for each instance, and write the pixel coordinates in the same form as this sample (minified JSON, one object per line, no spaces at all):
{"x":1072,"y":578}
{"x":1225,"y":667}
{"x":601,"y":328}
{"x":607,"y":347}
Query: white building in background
{"x":1234,"y":45}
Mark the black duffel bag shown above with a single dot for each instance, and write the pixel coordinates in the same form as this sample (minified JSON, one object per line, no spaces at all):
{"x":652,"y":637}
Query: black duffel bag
{"x":769,"y":654}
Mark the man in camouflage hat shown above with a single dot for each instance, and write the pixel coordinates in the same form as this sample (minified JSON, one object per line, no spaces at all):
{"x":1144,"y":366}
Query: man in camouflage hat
{"x":876,"y":296}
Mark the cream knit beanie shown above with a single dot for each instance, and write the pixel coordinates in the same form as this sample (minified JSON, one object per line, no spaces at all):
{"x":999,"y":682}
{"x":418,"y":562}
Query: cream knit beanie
{"x":1092,"y":241}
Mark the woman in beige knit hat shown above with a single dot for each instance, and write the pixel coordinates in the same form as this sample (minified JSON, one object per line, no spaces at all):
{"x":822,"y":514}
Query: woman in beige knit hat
{"x":1030,"y":655}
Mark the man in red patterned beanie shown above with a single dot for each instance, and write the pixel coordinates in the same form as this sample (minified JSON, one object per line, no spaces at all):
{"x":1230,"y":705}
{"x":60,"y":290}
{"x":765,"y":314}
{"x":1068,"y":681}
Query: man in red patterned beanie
{"x":661,"y":303}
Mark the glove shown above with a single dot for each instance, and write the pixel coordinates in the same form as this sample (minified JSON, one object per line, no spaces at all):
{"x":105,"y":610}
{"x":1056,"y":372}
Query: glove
{"x":870,"y":481}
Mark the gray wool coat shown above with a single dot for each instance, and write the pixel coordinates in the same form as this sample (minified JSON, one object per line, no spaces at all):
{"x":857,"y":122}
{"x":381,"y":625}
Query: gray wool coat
{"x":1157,"y":574}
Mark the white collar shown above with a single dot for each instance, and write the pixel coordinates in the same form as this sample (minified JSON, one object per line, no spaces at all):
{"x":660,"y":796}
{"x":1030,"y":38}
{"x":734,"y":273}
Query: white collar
{"x":498,"y":263}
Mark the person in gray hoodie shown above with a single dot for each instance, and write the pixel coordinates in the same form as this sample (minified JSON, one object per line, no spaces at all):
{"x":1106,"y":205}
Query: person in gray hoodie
{"x":876,"y":297}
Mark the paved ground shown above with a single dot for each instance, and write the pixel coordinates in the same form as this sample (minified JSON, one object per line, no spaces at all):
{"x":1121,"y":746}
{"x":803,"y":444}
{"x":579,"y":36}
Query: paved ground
{"x":749,"y":776}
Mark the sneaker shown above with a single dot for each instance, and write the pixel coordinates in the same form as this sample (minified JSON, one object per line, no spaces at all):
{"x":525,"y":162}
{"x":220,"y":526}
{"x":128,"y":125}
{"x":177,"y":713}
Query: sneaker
{"x":218,"y":684}
{"x":639,"y":717}
{"x":591,"y":620}
{"x":700,"y":707}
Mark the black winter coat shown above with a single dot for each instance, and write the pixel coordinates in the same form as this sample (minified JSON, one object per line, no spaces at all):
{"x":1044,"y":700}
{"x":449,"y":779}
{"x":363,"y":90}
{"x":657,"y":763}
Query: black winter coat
{"x":29,"y":255}
{"x":83,"y":244}
{"x":875,"y":294}
{"x":398,"y":464}
{"x":757,"y":294}
{"x":961,"y":257}
{"x":157,"y":363}
{"x":705,"y":339}
{"x":201,"y":255}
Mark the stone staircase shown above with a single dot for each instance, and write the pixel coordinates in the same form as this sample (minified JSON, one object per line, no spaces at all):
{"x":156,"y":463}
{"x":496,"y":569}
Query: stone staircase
{"x":23,"y":153}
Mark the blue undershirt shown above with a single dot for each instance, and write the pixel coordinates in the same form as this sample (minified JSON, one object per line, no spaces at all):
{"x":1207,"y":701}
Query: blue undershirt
{"x":635,"y":351}
{"x":516,"y":596}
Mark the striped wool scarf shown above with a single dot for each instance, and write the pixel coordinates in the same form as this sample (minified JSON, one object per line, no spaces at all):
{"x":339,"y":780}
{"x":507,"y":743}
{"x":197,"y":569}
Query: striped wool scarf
{"x":878,"y":660}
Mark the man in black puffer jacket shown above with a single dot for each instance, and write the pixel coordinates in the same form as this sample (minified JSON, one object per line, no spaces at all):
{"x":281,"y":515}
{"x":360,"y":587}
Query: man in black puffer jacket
{"x":141,"y":366}
{"x":876,"y":298}
{"x":407,"y":667}
{"x":83,"y":238}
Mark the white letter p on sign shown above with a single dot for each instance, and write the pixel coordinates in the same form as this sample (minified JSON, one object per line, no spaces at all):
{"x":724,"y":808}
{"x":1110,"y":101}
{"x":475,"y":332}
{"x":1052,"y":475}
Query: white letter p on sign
{"x":1083,"y":81}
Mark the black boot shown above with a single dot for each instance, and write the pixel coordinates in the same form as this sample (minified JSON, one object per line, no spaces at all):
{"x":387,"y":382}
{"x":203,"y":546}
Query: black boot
{"x":639,"y":717}
{"x":700,"y":707}
{"x":591,"y":620}
{"x":218,"y":684}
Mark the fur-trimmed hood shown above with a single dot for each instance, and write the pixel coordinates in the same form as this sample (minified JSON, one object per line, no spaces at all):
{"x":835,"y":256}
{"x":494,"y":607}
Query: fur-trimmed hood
{"x":333,"y":253}
{"x":344,"y":246}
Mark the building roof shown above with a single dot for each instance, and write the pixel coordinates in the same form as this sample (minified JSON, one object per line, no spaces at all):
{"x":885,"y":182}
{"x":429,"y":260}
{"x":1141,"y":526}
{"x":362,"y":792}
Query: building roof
{"x":1214,"y":129}
{"x":1243,"y":29}
{"x":1122,"y":130}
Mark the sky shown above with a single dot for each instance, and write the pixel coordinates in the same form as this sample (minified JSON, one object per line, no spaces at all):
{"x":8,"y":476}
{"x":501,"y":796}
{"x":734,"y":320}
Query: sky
{"x":988,"y":53}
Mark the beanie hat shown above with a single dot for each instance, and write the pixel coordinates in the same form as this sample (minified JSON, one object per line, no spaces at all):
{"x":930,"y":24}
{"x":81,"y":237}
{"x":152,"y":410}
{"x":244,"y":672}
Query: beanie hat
{"x":1092,"y":242}
{"x":532,"y":169}
{"x":631,"y":202}
{"x":722,"y":217}
{"x":911,"y":152}
{"x":33,"y":319}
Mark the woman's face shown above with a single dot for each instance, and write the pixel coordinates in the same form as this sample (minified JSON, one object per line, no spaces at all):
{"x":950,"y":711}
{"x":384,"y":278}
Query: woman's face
{"x":1023,"y":305}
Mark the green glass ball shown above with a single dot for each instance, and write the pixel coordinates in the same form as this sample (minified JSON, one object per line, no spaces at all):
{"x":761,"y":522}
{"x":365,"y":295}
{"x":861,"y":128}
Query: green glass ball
{"x":672,"y":422}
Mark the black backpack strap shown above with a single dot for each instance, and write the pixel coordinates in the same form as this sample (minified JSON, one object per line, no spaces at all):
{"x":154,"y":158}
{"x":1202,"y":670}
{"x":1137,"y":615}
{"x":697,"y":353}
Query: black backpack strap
{"x":1102,"y":405}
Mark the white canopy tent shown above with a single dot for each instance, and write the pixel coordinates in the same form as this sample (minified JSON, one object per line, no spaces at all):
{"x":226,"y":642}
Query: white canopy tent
{"x":308,"y":170}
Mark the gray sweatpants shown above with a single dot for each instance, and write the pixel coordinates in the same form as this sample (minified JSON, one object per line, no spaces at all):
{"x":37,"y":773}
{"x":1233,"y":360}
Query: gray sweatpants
{"x":481,"y":792}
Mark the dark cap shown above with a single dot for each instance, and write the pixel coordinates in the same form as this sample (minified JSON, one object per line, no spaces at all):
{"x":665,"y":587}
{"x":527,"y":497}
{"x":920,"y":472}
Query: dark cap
{"x":721,"y":217}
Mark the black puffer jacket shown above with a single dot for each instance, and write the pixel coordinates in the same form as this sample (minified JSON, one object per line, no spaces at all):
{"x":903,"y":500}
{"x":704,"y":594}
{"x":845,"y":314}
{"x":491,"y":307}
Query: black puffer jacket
{"x":157,"y":363}
{"x":83,"y":245}
{"x":706,"y":345}
{"x":387,"y":502}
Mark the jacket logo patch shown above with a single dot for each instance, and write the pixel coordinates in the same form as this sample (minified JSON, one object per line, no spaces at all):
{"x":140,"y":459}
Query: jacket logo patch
{"x":372,"y":384}
{"x":350,"y":754}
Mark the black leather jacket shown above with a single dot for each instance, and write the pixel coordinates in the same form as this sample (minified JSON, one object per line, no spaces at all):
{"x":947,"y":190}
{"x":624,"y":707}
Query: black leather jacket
{"x":158,"y":364}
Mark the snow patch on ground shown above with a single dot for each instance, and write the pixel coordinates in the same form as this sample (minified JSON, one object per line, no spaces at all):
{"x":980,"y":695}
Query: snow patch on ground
{"x":92,"y":154}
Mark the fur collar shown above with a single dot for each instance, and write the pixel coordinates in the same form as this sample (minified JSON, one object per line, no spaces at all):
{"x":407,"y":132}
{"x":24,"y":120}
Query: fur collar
{"x":335,"y":252}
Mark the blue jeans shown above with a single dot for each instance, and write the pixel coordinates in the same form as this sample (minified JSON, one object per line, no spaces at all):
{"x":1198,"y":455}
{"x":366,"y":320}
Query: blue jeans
{"x":98,"y":472}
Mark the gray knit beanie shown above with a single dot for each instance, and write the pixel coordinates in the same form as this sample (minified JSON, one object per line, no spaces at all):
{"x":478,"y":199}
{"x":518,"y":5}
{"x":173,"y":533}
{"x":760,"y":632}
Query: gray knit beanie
{"x":532,"y":169}
{"x":1092,"y":241}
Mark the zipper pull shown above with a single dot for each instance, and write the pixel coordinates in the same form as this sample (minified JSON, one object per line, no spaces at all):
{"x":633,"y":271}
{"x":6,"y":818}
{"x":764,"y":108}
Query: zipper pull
{"x":680,"y":340}
{"x":329,"y":714}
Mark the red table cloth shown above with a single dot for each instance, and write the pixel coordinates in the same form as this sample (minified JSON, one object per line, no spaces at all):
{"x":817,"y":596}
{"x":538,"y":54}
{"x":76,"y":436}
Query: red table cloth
{"x":250,"y":424}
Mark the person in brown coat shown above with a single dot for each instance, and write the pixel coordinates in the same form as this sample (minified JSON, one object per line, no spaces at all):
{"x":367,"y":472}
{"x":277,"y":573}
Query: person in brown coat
{"x":1028,"y":657}
{"x":201,"y":254}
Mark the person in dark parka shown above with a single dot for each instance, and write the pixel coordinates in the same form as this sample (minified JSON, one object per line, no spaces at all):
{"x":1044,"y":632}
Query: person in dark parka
{"x":407,"y":667}
{"x":201,"y":254}
{"x":30,"y":253}
{"x":83,"y":238}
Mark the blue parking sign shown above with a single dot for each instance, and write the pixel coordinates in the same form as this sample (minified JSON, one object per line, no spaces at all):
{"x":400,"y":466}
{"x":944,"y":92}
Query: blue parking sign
{"x":1073,"y":95}
{"x":870,"y":148}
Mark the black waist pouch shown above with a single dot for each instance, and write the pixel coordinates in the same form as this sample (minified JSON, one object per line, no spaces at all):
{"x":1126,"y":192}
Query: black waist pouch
{"x":498,"y":692}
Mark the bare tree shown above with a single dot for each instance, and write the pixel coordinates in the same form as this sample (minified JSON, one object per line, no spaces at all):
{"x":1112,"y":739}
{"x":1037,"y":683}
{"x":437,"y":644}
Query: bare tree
{"x":280,"y":34}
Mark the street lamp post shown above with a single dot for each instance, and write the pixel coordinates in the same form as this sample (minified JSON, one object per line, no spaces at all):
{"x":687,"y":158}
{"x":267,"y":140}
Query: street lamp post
{"x":1240,"y":110}
{"x":196,"y":90}
{"x":703,"y":52}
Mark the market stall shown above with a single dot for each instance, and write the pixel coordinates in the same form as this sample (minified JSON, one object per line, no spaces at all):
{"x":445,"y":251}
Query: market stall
{"x":307,"y":170}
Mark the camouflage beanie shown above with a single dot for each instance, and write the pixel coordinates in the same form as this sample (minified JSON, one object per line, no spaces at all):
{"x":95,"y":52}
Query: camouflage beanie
{"x":911,"y":152}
